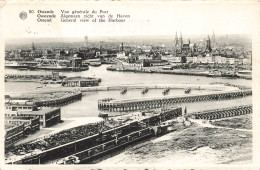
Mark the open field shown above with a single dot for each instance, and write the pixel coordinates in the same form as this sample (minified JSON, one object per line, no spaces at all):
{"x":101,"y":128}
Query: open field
{"x":242,"y":122}
{"x":193,"y":145}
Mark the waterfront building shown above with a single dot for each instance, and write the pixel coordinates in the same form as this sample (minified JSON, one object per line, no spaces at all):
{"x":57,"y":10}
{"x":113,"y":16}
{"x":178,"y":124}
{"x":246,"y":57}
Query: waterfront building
{"x":17,"y":106}
{"x":132,"y":58}
{"x":76,"y":62}
{"x":13,"y":133}
{"x":121,"y":55}
{"x":195,"y":60}
{"x":81,"y":82}
{"x":9,"y":113}
{"x":175,"y":60}
{"x":189,"y":59}
{"x":48,"y":54}
{"x":31,"y":123}
{"x":217,"y":59}
{"x":246,"y":61}
{"x":48,"y":116}
{"x":151,"y":63}
{"x":230,"y":61}
{"x":223,"y":60}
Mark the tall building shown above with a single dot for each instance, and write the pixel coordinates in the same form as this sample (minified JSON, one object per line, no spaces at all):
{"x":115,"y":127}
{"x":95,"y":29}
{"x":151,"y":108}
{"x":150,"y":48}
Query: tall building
{"x":121,"y":47}
{"x":181,"y":41}
{"x":100,"y":45}
{"x":178,"y":42}
{"x":213,"y":41}
{"x":86,"y":41}
{"x":33,"y":47}
{"x":180,"y":47}
{"x":175,"y":43}
{"x":208,"y":45}
{"x":213,"y":38}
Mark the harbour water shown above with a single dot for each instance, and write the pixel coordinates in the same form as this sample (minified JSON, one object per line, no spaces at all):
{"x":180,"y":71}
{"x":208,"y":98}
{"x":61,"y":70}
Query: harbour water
{"x":87,"y":108}
{"x":89,"y":101}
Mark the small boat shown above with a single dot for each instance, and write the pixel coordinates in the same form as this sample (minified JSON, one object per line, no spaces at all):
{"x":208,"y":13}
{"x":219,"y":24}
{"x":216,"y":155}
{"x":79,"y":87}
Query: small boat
{"x":95,"y":64}
{"x":145,"y":90}
{"x":187,"y":91}
{"x":166,"y":90}
{"x":214,"y":73}
{"x":123,"y":90}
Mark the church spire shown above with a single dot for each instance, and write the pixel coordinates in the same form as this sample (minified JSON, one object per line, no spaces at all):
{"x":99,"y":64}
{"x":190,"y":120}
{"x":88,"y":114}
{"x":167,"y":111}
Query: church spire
{"x":213,"y":37}
{"x":176,"y":40}
{"x":181,"y":41}
{"x":33,"y":47}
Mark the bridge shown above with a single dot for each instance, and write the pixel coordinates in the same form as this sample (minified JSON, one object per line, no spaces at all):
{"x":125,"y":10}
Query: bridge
{"x":114,"y":105}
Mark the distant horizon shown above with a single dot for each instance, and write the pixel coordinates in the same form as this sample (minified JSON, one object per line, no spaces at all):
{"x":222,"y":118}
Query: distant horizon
{"x":68,"y":39}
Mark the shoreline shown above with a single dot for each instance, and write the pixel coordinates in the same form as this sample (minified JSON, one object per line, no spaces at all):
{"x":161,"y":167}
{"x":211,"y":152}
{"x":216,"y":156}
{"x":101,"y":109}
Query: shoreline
{"x":175,"y":72}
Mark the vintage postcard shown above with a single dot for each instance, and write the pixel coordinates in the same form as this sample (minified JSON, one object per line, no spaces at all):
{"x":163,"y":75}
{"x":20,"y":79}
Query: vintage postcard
{"x":132,"y":85}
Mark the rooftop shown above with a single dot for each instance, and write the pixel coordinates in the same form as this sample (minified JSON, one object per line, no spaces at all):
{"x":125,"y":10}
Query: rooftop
{"x":9,"y":125}
{"x":19,"y":117}
{"x":43,"y":111}
{"x":82,"y":79}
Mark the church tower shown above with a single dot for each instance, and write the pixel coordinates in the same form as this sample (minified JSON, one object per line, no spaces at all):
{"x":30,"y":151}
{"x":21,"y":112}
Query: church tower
{"x":208,"y":45}
{"x":33,"y":47}
{"x":176,"y":40}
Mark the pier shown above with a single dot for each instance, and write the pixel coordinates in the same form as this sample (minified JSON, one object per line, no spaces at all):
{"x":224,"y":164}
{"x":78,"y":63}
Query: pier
{"x":223,"y":113}
{"x":59,"y":101}
{"x":113,"y":105}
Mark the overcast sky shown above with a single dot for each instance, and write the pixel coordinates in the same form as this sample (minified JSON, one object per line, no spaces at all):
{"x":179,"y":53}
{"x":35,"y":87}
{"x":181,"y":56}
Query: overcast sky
{"x":156,"y":18}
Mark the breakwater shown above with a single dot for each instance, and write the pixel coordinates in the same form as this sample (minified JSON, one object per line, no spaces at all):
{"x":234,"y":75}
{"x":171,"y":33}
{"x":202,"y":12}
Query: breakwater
{"x":223,"y":113}
{"x":113,"y":105}
{"x":59,"y":101}
{"x":215,"y":87}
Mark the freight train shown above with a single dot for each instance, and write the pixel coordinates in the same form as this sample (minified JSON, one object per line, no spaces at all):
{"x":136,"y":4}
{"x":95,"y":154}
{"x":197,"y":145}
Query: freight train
{"x":98,"y":144}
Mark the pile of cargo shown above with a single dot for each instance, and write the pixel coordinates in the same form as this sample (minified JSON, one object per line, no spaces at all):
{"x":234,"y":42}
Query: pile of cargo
{"x":60,"y":138}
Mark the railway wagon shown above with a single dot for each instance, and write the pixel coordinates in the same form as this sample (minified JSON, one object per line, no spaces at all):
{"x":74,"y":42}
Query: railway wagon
{"x":122,"y":140}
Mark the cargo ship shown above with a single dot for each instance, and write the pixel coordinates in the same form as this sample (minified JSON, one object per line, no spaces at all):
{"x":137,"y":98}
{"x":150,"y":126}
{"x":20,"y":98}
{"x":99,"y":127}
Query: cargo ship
{"x":214,"y":74}
{"x":58,"y":67}
{"x":95,"y":64}
{"x":246,"y":74}
{"x":15,"y":64}
{"x":229,"y":74}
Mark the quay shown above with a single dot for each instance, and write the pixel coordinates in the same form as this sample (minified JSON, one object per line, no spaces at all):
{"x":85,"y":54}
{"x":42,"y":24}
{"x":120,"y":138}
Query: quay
{"x":215,"y":87}
{"x":26,"y":78}
{"x":176,"y":72}
{"x":222,"y":113}
{"x":97,"y":143}
{"x":113,"y":105}
{"x":59,"y":101}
